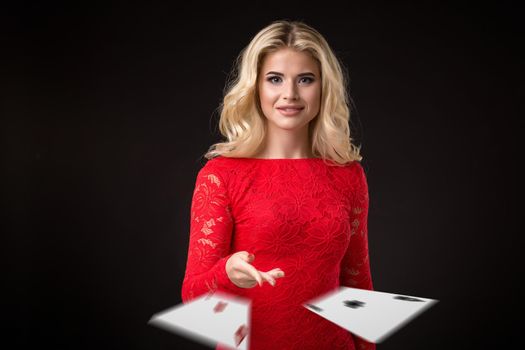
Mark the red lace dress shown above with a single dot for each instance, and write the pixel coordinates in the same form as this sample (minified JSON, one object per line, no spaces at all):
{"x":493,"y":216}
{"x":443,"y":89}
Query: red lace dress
{"x":304,"y":216}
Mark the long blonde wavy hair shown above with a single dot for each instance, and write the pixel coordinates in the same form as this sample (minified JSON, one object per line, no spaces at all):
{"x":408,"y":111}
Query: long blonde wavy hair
{"x":241,"y":119}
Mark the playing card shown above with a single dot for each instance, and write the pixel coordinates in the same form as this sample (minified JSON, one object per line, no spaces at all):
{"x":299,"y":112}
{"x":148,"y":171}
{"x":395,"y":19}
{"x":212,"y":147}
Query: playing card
{"x":371,"y":315}
{"x":210,"y":319}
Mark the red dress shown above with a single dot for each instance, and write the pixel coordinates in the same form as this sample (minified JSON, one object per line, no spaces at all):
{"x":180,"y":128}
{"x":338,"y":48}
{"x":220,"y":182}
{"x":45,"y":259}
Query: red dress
{"x":304,"y":216}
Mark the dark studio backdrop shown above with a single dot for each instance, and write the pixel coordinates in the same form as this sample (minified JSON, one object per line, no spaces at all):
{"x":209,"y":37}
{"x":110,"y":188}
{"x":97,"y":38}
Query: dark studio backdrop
{"x":108,"y":109}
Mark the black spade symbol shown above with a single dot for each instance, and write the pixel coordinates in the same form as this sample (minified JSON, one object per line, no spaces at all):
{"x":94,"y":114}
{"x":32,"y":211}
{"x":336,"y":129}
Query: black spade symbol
{"x":354,"y":304}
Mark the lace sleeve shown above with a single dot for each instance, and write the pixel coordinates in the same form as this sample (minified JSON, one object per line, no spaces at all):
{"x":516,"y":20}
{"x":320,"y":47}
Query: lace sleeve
{"x":355,"y":268}
{"x":211,"y":227}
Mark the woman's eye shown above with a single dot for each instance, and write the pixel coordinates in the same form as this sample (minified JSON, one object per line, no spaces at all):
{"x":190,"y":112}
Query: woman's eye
{"x":302,"y":80}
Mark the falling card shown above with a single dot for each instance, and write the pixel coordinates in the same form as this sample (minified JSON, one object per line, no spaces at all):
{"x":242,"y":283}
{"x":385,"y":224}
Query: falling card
{"x":371,"y":315}
{"x":210,"y":319}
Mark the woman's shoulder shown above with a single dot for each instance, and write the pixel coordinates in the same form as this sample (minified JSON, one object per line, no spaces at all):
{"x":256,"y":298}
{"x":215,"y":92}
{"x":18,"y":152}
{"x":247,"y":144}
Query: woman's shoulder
{"x":355,"y":166}
{"x":350,"y":175}
{"x":351,"y":168}
{"x":219,"y":165}
{"x":357,"y":174}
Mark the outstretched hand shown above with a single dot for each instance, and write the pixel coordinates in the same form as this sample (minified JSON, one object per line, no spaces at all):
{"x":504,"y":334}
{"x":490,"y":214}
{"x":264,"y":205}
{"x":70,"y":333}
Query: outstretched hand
{"x":244,"y":275}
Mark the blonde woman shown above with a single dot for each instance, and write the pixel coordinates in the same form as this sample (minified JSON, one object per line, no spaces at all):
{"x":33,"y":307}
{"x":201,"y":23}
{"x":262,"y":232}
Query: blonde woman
{"x":279,"y":210}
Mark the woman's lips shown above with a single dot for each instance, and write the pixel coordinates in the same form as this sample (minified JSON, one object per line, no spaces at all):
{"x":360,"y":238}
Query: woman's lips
{"x":289,"y":111}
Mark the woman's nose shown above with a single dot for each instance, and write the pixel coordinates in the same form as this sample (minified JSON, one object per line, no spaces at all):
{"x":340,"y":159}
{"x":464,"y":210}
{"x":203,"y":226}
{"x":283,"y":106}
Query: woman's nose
{"x":290,"y":91}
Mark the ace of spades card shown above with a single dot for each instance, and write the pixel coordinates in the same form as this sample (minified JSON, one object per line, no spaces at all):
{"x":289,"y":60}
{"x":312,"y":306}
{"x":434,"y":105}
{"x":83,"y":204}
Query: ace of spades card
{"x":371,"y":315}
{"x":210,"y":319}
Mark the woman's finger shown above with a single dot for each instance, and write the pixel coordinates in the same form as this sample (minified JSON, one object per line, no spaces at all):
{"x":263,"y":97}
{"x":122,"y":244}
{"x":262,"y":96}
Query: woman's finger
{"x":268,"y":278}
{"x":276,"y":273}
{"x":248,"y":257}
{"x":252,"y":271}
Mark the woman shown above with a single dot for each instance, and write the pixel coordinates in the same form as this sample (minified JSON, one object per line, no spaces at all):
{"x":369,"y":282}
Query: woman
{"x":279,"y":211}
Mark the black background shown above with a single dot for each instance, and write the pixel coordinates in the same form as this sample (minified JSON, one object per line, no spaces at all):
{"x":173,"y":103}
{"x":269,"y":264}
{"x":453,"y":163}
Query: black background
{"x":107,"y":110}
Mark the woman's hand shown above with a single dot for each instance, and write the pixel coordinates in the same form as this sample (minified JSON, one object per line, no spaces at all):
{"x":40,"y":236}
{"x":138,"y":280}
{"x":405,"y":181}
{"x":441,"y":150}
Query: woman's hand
{"x":244,"y":275}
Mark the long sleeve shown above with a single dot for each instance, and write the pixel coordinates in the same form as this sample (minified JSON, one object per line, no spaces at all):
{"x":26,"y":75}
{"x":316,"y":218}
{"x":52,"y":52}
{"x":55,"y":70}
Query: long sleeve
{"x":211,"y":228}
{"x":355,"y":266}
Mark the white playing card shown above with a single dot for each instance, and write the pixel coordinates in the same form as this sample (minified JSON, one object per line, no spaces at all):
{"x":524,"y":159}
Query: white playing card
{"x":371,"y":315}
{"x":210,"y":319}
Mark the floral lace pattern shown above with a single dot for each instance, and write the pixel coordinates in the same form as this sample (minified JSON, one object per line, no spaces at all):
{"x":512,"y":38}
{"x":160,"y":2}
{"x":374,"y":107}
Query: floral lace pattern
{"x":302,"y":215}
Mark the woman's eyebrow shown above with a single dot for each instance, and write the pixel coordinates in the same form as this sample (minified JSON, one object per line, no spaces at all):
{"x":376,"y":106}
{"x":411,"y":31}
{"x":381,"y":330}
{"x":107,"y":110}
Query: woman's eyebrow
{"x":299,"y":75}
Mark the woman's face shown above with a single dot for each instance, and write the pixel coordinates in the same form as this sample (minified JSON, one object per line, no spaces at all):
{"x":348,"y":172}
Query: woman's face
{"x":289,"y":89}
